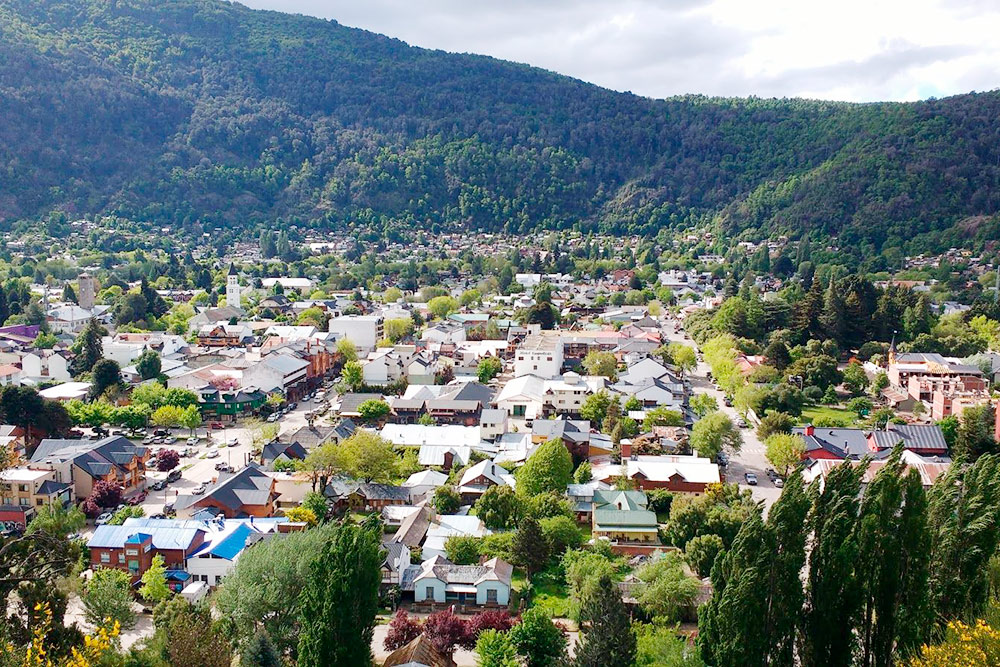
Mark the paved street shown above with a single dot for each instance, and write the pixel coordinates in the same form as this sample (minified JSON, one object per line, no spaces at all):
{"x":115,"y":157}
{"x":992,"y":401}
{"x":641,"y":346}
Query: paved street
{"x":751,"y":457}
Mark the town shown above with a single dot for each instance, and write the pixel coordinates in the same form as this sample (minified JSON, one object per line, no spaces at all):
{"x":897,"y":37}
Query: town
{"x":519,"y":443}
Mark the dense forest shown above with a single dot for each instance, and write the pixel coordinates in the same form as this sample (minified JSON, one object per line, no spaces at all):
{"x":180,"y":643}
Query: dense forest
{"x":200,"y":113}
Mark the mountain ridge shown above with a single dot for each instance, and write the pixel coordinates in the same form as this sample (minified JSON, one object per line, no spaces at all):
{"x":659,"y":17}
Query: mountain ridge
{"x":202,"y":112}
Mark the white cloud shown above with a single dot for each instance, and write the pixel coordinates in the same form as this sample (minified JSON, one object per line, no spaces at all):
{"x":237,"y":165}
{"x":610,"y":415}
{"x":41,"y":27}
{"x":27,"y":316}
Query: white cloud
{"x":858,"y":50}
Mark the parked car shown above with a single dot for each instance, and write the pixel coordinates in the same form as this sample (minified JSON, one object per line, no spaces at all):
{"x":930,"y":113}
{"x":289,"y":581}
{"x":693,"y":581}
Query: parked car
{"x":741,"y":423}
{"x":778,"y":483}
{"x":174,"y":475}
{"x":751,"y":478}
{"x":198,"y":490}
{"x":190,"y":451}
{"x":212,"y":454}
{"x":161,"y":431}
{"x":216,"y":425}
{"x":728,"y":402}
{"x":137,"y":498}
{"x":722,"y":459}
{"x":292,"y":406}
{"x":104,"y":518}
{"x":272,"y":418}
{"x":158,"y":515}
{"x":168,"y":509}
{"x":158,"y":485}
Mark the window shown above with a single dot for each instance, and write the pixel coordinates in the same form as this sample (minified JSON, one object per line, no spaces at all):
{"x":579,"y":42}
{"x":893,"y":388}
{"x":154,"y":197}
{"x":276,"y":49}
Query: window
{"x":105,"y":557}
{"x":491,"y":595}
{"x":121,"y":558}
{"x":133,"y":566}
{"x":39,"y":502}
{"x":429,"y":593}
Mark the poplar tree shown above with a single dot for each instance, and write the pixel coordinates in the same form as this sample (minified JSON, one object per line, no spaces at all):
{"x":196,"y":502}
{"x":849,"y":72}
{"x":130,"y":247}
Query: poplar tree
{"x":893,"y":557}
{"x":833,"y":595}
{"x":339,"y":601}
{"x":964,"y":520}
{"x":756,"y":604}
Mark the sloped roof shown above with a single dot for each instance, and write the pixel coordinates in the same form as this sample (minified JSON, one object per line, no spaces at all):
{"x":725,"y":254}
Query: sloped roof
{"x":420,"y":651}
{"x":249,"y":486}
{"x":95,"y":457}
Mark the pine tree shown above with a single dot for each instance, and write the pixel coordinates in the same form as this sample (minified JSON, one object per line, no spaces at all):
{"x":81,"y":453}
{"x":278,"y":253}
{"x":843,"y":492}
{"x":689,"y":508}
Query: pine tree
{"x":894,"y":550}
{"x":756,"y":603}
{"x":340,"y":599}
{"x":260,"y":652}
{"x":609,"y":640}
{"x":964,"y":521}
{"x":833,"y":596}
{"x":833,"y":318}
{"x":807,"y":312}
{"x":155,"y":305}
{"x":88,"y":347}
{"x":530,"y":549}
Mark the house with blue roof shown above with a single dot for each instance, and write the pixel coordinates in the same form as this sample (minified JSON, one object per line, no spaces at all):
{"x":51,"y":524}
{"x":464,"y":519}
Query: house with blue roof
{"x":192,"y":550}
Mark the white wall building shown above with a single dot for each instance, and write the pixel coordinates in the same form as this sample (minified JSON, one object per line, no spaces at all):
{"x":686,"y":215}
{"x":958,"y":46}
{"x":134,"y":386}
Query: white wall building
{"x":365,"y":331}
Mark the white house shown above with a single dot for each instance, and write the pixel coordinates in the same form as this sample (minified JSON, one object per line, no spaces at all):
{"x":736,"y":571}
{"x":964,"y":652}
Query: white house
{"x":443,"y":582}
{"x":382,"y":367}
{"x":276,"y":372}
{"x":492,"y":423}
{"x":423,"y":484}
{"x":45,"y":364}
{"x":528,"y":280}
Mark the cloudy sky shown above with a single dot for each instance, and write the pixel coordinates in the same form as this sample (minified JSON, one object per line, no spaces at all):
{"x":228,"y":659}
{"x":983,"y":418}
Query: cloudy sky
{"x":857,"y":50}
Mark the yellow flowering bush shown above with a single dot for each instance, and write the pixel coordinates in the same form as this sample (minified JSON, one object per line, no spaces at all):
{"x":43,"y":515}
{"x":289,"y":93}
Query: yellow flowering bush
{"x":964,"y":646}
{"x":96,"y":647}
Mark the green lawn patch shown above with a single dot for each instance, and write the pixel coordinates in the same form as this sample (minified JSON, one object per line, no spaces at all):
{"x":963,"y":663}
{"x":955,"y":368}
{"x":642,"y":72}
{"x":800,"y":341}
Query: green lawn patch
{"x":814,"y":412}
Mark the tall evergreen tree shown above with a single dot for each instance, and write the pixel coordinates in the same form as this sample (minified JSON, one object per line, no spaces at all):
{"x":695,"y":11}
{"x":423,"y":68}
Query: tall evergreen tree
{"x":894,"y":551}
{"x":833,"y":595}
{"x":833,"y":318}
{"x":807,"y":312}
{"x":609,"y":640}
{"x":155,"y":305}
{"x":340,"y":599}
{"x":756,"y":603}
{"x":88,"y":346}
{"x":964,"y":521}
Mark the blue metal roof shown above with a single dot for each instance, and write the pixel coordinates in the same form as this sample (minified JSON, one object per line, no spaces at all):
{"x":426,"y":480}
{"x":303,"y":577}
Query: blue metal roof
{"x":231,"y":545}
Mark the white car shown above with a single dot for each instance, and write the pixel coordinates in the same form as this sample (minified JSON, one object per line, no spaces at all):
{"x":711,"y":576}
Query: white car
{"x":198,"y":490}
{"x":104,"y":518}
{"x":212,"y":454}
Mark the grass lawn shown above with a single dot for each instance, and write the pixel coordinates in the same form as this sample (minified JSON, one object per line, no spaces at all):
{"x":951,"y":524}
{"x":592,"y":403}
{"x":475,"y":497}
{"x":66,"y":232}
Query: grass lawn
{"x":813,"y":412}
{"x":551,"y":593}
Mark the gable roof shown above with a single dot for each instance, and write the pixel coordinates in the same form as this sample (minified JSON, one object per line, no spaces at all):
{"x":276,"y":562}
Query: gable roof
{"x":249,"y":486}
{"x":95,"y":457}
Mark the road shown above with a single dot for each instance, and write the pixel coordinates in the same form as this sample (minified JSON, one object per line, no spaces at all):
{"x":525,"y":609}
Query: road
{"x":751,"y":457}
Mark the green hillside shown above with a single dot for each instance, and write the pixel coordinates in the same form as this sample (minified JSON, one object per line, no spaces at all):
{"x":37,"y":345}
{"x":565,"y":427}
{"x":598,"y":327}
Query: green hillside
{"x":200,"y":111}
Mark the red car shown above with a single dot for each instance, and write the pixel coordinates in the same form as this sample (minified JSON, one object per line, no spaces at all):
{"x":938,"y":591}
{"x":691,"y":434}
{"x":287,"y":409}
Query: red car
{"x":216,"y":425}
{"x":137,"y":499}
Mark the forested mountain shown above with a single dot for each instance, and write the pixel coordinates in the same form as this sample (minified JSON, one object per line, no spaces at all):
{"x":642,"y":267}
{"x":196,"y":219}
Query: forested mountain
{"x":200,"y":112}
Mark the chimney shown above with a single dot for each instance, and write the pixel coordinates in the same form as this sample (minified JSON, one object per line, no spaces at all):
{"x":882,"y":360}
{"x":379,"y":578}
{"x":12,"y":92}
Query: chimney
{"x":810,"y":429}
{"x":626,"y":446}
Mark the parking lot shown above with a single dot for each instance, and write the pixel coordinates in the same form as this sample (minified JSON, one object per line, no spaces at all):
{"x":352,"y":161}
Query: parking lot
{"x":207,"y":449}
